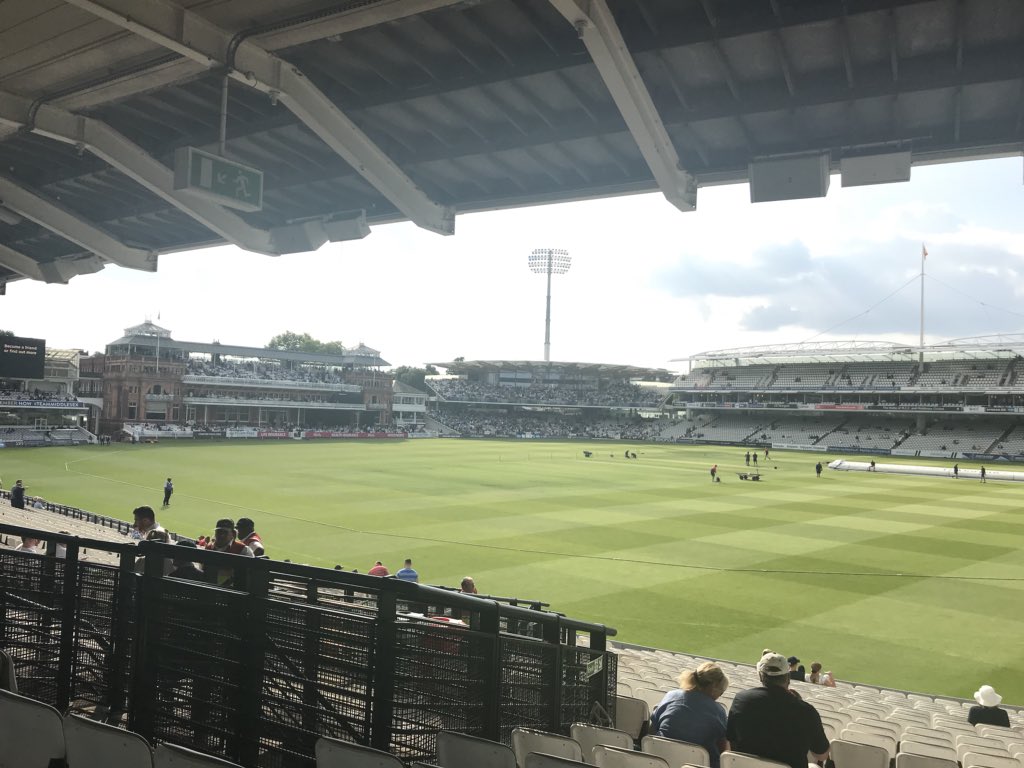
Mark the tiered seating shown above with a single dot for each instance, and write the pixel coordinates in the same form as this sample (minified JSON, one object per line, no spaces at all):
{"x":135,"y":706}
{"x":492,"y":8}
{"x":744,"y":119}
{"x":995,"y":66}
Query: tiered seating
{"x":41,"y":519}
{"x":805,"y":431}
{"x":877,"y":724}
{"x":876,"y":376}
{"x":731,"y":428}
{"x":955,"y":436}
{"x":35,"y":734}
{"x":1012,"y":444}
{"x":877,"y":433}
{"x":746,"y":377}
{"x":962,"y":374}
{"x":803,"y":377}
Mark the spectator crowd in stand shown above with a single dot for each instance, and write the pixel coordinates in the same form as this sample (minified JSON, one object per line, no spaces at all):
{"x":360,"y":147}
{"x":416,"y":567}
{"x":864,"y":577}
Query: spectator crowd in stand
{"x":265,"y":371}
{"x":493,"y":424}
{"x":617,"y":395}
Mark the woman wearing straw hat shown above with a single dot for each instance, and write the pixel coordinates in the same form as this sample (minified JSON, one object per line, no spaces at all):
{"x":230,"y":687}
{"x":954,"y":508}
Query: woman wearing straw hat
{"x":987,"y":712}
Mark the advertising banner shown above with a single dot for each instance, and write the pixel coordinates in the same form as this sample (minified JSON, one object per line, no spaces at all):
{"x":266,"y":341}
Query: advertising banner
{"x":13,"y":402}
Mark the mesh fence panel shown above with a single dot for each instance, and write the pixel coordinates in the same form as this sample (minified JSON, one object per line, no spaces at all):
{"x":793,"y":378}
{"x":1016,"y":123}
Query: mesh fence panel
{"x":316,"y":680}
{"x":197,"y":637}
{"x":30,"y":620}
{"x":440,"y":672}
{"x":527,"y":685}
{"x":583,"y":676}
{"x":97,"y":656}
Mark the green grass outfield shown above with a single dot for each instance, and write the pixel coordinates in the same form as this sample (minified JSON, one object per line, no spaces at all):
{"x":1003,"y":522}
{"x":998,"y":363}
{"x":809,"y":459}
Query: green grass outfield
{"x":911,"y":582}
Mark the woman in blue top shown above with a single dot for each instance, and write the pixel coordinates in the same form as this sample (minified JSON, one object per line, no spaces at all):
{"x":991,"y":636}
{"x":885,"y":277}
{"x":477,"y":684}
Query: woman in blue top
{"x":692,"y":714}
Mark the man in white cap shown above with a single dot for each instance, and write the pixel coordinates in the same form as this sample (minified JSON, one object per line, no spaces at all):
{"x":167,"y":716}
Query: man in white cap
{"x":987,"y":712}
{"x":773,"y":722}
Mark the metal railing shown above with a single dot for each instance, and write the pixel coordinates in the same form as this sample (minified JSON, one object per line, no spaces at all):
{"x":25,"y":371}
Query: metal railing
{"x":255,"y":659}
{"x":121,"y":526}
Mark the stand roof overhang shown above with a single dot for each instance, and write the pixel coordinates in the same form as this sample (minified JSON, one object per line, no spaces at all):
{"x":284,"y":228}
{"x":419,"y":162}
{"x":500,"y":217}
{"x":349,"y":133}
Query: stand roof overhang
{"x":419,"y":109}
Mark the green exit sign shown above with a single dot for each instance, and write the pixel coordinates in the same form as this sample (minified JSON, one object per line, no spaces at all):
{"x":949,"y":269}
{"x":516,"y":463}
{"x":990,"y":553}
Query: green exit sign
{"x":229,"y":183}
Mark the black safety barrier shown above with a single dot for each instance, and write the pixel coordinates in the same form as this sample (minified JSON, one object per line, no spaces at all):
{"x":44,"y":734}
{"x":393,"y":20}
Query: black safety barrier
{"x":259,"y":658}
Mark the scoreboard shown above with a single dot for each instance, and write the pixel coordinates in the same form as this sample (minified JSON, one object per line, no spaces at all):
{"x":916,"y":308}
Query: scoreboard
{"x":22,"y":358}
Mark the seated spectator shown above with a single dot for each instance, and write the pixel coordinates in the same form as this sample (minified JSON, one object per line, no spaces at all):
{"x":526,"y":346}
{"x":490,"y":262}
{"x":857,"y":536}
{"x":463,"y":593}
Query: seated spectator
{"x":796,"y":669}
{"x":379,"y":569}
{"x":38,"y":503}
{"x":225,"y":539}
{"x":29,"y":544}
{"x":773,"y":722}
{"x":407,"y":573}
{"x":692,"y":713}
{"x":145,"y":522}
{"x":184,"y":568}
{"x":820,"y":678}
{"x":987,"y":711}
{"x":18,"y":495}
{"x":249,"y":537}
{"x":468,"y":586}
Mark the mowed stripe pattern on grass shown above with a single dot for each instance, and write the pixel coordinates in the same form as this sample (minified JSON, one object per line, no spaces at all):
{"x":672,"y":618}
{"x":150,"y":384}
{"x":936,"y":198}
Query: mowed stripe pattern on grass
{"x":653,"y":547}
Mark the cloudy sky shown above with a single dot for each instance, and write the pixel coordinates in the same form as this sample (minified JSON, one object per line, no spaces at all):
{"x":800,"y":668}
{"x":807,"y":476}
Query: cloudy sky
{"x":647,"y":283}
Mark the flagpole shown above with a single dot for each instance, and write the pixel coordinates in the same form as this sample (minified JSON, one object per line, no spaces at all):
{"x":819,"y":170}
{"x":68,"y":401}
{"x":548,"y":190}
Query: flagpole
{"x":924,"y":254}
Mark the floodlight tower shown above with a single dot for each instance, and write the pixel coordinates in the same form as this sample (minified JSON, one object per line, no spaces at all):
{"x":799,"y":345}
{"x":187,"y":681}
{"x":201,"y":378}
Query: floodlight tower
{"x":550,"y":261}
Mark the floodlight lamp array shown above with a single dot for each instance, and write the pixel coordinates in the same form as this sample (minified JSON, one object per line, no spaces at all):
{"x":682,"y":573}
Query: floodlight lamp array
{"x":558,"y":259}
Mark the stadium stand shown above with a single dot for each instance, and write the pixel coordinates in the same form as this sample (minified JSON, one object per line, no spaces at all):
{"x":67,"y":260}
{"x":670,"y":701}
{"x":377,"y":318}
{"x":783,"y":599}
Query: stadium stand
{"x":612,"y":395}
{"x":875,"y":433}
{"x":965,"y":375}
{"x":797,"y":430}
{"x":951,"y":436}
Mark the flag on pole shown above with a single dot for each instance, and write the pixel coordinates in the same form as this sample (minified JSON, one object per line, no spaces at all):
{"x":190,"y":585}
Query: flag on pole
{"x":924,"y":252}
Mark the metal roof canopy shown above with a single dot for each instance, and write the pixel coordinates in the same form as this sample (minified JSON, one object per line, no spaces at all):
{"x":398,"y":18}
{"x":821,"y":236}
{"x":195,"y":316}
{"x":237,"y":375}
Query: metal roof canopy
{"x":395,"y":109}
{"x":1002,"y":346}
{"x":586,"y":369}
{"x":148,"y":334}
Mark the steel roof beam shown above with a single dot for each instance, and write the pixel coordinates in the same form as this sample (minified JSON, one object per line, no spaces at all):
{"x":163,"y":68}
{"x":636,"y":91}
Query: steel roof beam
{"x":109,"y":145}
{"x":196,"y":38}
{"x":63,"y":222}
{"x":596,"y":26}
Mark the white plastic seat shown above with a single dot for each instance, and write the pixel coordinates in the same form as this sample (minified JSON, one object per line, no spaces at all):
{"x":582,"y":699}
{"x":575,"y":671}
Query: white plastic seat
{"x":675,"y":753}
{"x":631,"y":715}
{"x":907,"y":760}
{"x":613,"y":757}
{"x":963,"y":749}
{"x":653,"y":696}
{"x":332,"y":753}
{"x":457,"y":750}
{"x":173,"y":756}
{"x":742,"y":760}
{"x":933,"y":733}
{"x":875,"y":739}
{"x":941,"y":751}
{"x":96,"y":745}
{"x":850,"y":754}
{"x":975,"y":760}
{"x":590,"y":736}
{"x":540,"y":760}
{"x":525,"y":741}
{"x":876,"y":726}
{"x":31,"y":733}
{"x":933,"y":741}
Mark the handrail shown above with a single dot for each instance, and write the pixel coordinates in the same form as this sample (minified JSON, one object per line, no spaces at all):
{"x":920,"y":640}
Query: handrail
{"x":121,"y":526}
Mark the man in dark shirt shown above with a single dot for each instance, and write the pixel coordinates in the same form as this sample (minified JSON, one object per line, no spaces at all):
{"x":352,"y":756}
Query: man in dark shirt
{"x":773,"y":722}
{"x":18,"y":495}
{"x":988,"y":711}
{"x":796,"y":670}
